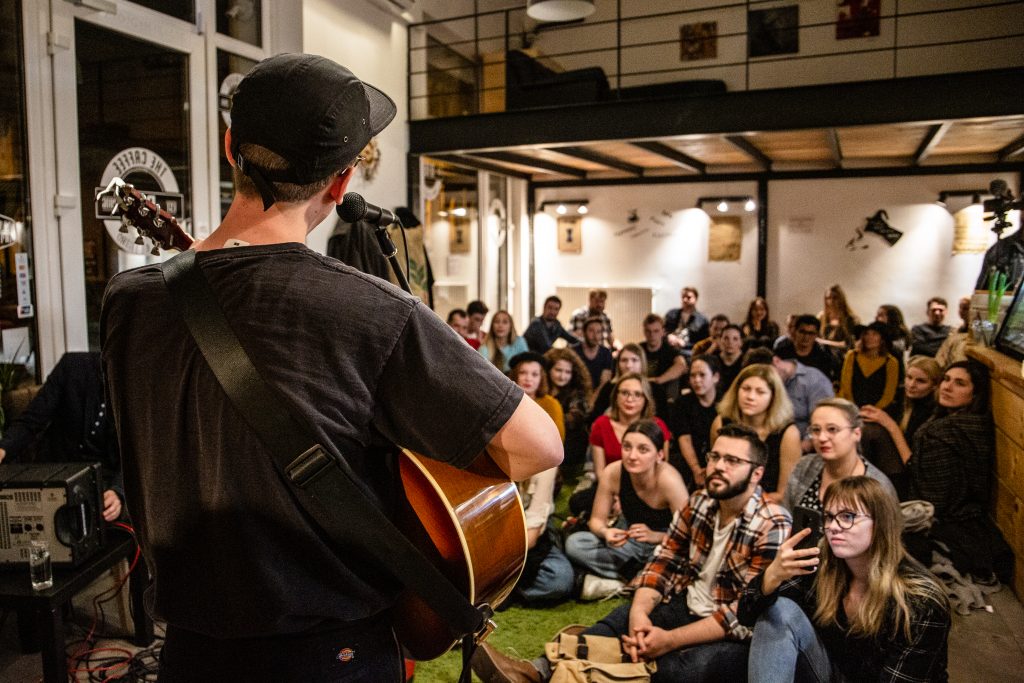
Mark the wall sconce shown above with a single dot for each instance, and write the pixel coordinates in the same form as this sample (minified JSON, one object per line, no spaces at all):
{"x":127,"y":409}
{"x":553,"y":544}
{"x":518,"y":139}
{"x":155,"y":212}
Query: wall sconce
{"x":566,"y":207}
{"x":722,"y":204}
{"x":975,"y":196}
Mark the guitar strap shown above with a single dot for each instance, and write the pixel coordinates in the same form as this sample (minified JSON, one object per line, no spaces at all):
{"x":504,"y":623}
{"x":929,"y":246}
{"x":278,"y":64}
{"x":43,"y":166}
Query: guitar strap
{"x":323,"y":484}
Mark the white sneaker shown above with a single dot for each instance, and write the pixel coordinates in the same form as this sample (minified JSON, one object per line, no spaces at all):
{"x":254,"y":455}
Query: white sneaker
{"x":598,"y":588}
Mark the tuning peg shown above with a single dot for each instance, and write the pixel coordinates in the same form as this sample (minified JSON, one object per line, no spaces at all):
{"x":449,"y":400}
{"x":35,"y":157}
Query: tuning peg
{"x":155,"y":251}
{"x":158,"y":222}
{"x":139,"y":240}
{"x":143,"y":210}
{"x":123,"y":228}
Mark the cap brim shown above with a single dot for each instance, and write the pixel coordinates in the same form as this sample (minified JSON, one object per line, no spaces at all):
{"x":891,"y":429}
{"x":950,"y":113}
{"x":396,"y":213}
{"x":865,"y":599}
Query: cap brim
{"x":382,"y":109}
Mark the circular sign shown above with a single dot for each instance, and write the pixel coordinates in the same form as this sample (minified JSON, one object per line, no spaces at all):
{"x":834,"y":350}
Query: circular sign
{"x":227,"y":89}
{"x":129,"y":162}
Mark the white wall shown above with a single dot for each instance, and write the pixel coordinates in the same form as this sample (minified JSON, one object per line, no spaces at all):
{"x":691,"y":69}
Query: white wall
{"x":664,"y":256}
{"x":372,"y":43}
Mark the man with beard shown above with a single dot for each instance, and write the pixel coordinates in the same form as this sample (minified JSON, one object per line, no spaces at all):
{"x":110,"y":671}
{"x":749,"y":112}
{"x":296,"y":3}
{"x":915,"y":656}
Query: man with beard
{"x":683,"y":613}
{"x":545,"y":330}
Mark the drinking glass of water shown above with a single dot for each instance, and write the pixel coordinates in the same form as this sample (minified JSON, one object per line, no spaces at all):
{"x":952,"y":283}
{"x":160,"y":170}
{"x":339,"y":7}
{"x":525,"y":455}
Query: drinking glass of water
{"x":40,"y":566}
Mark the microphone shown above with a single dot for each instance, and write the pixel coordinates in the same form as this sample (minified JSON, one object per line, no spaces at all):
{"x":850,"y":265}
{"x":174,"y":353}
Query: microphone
{"x":1000,"y":190}
{"x":354,"y":208}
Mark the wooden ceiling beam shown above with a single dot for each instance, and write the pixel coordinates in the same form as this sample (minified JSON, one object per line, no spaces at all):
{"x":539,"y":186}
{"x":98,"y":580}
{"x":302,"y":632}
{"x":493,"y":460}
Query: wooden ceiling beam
{"x":524,"y":160}
{"x":599,"y":158}
{"x":834,"y":145}
{"x":1012,"y":149}
{"x":673,"y":155}
{"x":478,"y":165}
{"x":750,"y":149}
{"x":931,"y":140}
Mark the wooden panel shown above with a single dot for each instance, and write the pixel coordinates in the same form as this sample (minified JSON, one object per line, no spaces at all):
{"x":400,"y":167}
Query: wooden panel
{"x":711,"y":150}
{"x":793,"y":145}
{"x":562,"y":159}
{"x":1009,"y":515}
{"x":632,"y":155}
{"x":872,"y":142}
{"x":980,"y":136}
{"x":1008,"y":411}
{"x":1009,"y":463}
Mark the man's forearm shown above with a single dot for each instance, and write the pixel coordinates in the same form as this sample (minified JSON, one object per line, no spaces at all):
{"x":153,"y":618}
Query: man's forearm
{"x":706,"y":630}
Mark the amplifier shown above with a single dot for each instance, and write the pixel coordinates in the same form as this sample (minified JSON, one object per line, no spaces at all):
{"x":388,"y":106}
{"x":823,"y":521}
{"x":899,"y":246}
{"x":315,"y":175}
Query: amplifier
{"x":53,"y":502}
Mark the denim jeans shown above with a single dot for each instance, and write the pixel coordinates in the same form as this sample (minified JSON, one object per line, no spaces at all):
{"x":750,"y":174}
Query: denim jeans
{"x":723,"y":660}
{"x":554,"y":580}
{"x":597,"y":557}
{"x":785,"y":647}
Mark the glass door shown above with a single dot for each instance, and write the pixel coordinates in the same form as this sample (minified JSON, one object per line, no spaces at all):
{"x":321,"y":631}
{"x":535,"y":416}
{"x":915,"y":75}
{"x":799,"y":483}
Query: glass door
{"x":130,"y":103}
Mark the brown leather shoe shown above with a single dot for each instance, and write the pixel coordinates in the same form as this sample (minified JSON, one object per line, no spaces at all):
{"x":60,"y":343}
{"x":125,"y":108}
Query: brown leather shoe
{"x":494,"y":667}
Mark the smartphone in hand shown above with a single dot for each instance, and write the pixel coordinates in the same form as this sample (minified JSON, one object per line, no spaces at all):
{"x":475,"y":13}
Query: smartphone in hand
{"x":806,"y":518}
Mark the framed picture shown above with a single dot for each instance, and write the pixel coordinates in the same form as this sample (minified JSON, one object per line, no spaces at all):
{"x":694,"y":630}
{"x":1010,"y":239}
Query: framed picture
{"x":773,"y":31}
{"x":1010,"y":338}
{"x":858,"y":18}
{"x":570,"y":234}
{"x":698,"y":41}
{"x":458,"y":235}
{"x":725,"y":237}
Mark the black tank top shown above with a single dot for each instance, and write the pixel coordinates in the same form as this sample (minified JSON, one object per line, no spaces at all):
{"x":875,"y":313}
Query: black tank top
{"x":636,"y":511}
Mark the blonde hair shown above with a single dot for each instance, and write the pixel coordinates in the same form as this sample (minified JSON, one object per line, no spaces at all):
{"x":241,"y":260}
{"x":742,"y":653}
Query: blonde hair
{"x":780,"y":410}
{"x":645,"y":386}
{"x":634,"y":349}
{"x":928,"y":366}
{"x":492,"y":343}
{"x":893,"y":577}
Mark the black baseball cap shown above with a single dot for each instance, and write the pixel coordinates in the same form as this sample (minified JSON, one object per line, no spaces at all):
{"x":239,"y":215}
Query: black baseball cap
{"x":311,"y":111}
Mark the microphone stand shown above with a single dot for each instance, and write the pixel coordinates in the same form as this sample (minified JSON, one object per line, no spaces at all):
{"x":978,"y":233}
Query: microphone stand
{"x":390,"y":252}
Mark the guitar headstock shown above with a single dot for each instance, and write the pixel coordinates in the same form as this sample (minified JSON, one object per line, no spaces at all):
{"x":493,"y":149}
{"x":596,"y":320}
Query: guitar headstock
{"x":147,"y":218}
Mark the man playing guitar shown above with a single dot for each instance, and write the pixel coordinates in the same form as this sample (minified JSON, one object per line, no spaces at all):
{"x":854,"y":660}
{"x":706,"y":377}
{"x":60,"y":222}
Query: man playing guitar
{"x":249,"y":587}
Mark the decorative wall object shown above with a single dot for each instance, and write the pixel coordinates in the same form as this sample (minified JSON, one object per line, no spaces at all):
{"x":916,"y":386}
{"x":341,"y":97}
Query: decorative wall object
{"x":698,"y":41}
{"x":459,"y":234}
{"x":371,"y":159}
{"x":570,"y":234}
{"x":725,"y":237}
{"x":858,"y":18}
{"x":773,"y":31}
{"x":970,"y":234}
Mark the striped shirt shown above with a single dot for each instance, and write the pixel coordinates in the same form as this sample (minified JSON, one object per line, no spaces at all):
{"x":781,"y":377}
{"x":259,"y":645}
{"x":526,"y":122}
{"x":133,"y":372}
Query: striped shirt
{"x":751,"y":547}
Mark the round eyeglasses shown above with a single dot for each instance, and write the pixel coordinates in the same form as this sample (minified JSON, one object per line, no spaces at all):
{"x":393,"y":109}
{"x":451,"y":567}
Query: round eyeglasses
{"x":845,"y":519}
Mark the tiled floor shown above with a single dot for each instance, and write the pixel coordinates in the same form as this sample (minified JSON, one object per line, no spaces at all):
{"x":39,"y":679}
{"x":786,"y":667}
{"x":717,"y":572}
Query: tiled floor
{"x":983,"y":647}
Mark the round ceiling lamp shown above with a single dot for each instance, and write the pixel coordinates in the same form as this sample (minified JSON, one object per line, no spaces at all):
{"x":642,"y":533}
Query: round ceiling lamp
{"x":559,"y":10}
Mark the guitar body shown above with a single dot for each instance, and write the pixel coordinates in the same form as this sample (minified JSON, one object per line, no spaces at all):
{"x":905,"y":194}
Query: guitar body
{"x":475,"y":520}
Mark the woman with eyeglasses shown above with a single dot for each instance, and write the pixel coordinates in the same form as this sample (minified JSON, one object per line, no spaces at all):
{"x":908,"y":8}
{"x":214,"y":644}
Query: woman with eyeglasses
{"x":631,"y":400}
{"x":648,"y":490}
{"x":835,"y":432}
{"x":631,"y":358}
{"x":855,"y":608}
{"x":758,"y":399}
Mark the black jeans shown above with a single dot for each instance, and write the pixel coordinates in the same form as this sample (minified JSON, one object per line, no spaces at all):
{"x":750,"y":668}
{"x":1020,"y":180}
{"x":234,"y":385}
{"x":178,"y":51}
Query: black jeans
{"x":358,"y":651}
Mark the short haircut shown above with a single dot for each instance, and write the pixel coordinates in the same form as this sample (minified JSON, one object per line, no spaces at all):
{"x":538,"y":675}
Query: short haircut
{"x":758,"y":354}
{"x":713,"y":363}
{"x":475,"y":307}
{"x":599,"y":293}
{"x":266,"y":160}
{"x":652,"y":318}
{"x":733,"y":326}
{"x":456,"y":313}
{"x":553,"y":298}
{"x":735,"y":430}
{"x":937,"y":300}
{"x":692,"y":290}
{"x":720,"y":317}
{"x":592,"y":320}
{"x":807,"y":319}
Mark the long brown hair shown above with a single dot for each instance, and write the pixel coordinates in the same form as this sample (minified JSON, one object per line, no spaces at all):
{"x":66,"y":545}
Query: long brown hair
{"x":645,"y":386}
{"x":580,"y":382}
{"x":780,"y":410}
{"x":494,"y":345}
{"x":893,"y":579}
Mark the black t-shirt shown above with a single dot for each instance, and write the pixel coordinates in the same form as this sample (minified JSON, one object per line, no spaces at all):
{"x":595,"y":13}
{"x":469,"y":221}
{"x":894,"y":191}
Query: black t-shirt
{"x":601,"y":362}
{"x":231,"y":551}
{"x":690,"y":417}
{"x":657,"y":363}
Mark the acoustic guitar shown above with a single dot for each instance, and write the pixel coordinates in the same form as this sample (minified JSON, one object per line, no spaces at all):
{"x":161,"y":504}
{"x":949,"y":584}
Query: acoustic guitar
{"x":473,"y":518}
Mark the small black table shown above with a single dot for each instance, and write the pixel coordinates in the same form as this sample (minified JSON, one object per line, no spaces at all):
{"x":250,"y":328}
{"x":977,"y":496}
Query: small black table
{"x":47,"y":606}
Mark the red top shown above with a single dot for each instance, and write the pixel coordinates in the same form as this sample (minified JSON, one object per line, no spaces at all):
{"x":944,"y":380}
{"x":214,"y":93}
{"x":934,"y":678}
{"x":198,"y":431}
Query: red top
{"x":602,"y":434}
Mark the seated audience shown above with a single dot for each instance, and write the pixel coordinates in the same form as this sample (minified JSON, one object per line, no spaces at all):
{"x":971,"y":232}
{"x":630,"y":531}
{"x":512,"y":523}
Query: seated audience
{"x":631,"y":359}
{"x":871,"y":374}
{"x":649,"y":491}
{"x":545,"y":330}
{"x":692,"y":416}
{"x":69,"y":422}
{"x":502,"y":343}
{"x":730,"y":356}
{"x":790,"y":332}
{"x":899,"y":336}
{"x":683,"y":613}
{"x":686,"y":325}
{"x":885,"y":441}
{"x":631,"y":401}
{"x":950,"y":466}
{"x":597,"y":358}
{"x":759,"y":355}
{"x":855,"y":608}
{"x":807,"y":349}
{"x":665,"y":364}
{"x":458,"y":320}
{"x":570,"y":385}
{"x":476,"y":311}
{"x":838,"y":322}
{"x":952,"y":349}
{"x":805,"y":386}
{"x":709,"y":344}
{"x":835,"y":430}
{"x":758,"y":400}
{"x":758,"y":329}
{"x":926,"y":338}
{"x":547,"y":575}
{"x":596,"y":301}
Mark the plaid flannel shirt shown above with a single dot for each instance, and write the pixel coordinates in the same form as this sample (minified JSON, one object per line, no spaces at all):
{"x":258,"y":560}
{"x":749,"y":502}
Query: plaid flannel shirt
{"x":676,"y":563}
